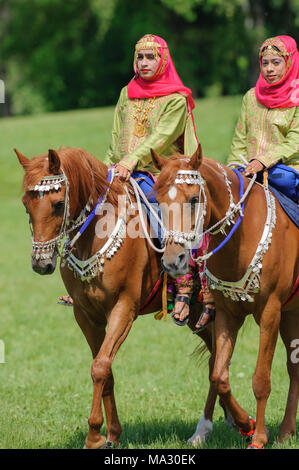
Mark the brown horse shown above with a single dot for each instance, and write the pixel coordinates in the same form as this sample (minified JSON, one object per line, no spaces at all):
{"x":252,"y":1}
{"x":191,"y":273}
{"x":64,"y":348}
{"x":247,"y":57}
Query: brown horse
{"x":254,"y":271}
{"x":111,"y":276}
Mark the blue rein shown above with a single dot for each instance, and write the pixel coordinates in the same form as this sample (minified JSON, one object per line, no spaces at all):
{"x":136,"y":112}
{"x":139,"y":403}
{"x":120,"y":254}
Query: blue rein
{"x":240,"y":218}
{"x":92,"y":214}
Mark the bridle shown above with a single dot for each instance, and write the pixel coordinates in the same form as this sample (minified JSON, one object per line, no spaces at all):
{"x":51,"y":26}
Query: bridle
{"x":250,"y":282}
{"x":193,"y":177}
{"x":45,"y":250}
{"x":190,"y":177}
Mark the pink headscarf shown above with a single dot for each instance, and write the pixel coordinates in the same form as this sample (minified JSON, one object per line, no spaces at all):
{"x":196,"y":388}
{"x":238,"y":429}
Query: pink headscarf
{"x":165,"y":81}
{"x":283,"y":94}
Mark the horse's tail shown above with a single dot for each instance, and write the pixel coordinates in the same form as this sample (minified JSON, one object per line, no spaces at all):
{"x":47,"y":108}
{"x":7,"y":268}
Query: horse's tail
{"x":201,"y":353}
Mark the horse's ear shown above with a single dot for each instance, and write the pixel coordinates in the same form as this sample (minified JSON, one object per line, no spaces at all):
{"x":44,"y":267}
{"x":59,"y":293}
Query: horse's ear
{"x":22,"y":159}
{"x":196,"y":158}
{"x":54,"y":162}
{"x":158,"y":161}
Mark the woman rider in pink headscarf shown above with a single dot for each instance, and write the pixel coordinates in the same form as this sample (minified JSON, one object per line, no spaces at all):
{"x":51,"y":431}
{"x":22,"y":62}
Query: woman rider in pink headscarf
{"x":267,"y":133}
{"x":154,"y":111}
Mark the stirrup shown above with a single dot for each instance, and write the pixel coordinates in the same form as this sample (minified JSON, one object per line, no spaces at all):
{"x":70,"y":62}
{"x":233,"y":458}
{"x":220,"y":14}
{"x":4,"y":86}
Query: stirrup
{"x":186,"y":301}
{"x":209,"y":311}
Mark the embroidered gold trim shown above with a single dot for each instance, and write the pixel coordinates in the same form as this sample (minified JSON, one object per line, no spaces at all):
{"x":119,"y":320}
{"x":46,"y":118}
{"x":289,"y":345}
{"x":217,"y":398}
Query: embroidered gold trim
{"x":141,"y":117}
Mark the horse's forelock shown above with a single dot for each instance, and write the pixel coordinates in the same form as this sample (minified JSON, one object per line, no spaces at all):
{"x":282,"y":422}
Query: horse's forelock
{"x":36,"y":169}
{"x":169,"y":171}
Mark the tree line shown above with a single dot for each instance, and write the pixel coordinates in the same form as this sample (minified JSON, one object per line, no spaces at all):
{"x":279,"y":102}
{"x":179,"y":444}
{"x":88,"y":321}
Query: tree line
{"x":59,"y":55}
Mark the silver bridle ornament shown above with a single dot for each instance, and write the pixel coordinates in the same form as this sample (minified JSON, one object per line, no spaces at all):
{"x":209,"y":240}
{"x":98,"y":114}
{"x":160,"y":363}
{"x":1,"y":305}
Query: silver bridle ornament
{"x":250,"y":283}
{"x":190,"y":177}
{"x":45,"y":250}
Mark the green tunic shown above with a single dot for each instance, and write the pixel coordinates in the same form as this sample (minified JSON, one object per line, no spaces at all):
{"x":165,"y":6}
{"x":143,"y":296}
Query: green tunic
{"x":166,"y":123}
{"x":267,"y":135}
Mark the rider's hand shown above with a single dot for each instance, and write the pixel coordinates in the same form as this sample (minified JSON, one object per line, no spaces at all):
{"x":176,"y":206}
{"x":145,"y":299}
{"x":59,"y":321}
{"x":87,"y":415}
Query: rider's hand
{"x":123,"y":173}
{"x":253,"y":167}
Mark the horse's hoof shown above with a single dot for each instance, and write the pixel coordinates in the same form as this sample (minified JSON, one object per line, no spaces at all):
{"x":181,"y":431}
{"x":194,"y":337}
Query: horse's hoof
{"x":100,"y":444}
{"x":254,"y":446}
{"x":203,"y":430}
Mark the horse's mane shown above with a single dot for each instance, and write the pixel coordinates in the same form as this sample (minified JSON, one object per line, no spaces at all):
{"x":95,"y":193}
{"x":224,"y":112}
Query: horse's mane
{"x":85,"y":173}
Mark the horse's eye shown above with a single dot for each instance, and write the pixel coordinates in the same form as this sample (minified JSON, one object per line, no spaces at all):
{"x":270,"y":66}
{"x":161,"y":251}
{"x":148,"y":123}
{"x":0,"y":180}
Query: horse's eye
{"x":194,"y":200}
{"x":58,"y":207}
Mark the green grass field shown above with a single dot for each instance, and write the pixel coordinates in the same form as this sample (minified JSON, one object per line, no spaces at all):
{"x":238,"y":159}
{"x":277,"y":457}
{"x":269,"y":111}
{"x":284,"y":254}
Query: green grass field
{"x":45,"y":384}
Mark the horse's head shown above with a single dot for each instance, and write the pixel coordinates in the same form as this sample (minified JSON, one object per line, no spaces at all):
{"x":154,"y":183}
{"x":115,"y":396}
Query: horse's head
{"x":46,"y":201}
{"x":181,"y":195}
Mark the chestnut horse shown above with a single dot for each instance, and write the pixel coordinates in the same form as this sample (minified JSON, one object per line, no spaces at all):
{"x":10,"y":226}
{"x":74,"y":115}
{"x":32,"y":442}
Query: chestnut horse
{"x":111,"y":276}
{"x":252,"y":269}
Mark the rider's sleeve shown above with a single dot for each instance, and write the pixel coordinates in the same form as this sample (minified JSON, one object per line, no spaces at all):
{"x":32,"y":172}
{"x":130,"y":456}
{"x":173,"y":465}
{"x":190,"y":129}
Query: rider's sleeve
{"x":287,"y":151}
{"x":239,"y":142}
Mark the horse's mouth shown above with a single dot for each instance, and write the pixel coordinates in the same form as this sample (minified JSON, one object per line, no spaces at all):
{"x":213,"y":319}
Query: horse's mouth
{"x":176,"y":268}
{"x":44,"y":266}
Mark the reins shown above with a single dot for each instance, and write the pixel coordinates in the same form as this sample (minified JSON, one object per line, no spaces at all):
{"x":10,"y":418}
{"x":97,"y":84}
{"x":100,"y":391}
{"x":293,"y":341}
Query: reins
{"x":230,"y":214}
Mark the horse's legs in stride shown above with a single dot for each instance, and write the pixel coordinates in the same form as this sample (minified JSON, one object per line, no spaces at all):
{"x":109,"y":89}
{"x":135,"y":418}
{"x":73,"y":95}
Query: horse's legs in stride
{"x":289,"y":330}
{"x":205,"y":425}
{"x":261,"y":382}
{"x":227,"y":327}
{"x":95,"y":336}
{"x":120,"y":322}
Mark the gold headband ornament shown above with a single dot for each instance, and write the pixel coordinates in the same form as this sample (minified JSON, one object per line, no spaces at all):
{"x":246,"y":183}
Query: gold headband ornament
{"x":146,"y":43}
{"x":274,"y":46}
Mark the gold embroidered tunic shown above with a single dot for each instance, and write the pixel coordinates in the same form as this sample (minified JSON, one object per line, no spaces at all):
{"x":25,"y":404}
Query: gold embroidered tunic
{"x":267,"y":135}
{"x":142,"y":124}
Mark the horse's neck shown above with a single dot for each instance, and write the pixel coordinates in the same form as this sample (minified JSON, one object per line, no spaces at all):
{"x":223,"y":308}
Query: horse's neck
{"x":107,"y":214}
{"x":237,"y":253}
{"x":219,"y":192}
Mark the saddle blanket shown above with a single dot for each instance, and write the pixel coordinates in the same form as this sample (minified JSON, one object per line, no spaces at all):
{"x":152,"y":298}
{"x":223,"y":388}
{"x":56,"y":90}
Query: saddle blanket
{"x":290,"y":207}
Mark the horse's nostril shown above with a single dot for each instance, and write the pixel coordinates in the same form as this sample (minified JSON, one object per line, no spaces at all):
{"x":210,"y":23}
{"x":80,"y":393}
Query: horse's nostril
{"x":49,"y":269}
{"x":182,"y":258}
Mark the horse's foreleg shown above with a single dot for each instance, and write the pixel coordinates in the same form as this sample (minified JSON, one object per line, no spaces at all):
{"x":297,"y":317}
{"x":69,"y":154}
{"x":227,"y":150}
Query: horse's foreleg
{"x":227,"y":327}
{"x":205,"y":425}
{"x":289,"y":330}
{"x":261,"y":382}
{"x":95,"y":335}
{"x":119,"y":324}
{"x":112,"y":422}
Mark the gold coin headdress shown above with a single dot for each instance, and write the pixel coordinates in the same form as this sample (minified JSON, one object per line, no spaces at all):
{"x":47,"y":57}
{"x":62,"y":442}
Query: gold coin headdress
{"x":274,"y":46}
{"x":148,"y":42}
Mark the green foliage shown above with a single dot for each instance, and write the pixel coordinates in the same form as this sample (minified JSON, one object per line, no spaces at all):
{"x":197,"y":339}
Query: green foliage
{"x":78,"y":54}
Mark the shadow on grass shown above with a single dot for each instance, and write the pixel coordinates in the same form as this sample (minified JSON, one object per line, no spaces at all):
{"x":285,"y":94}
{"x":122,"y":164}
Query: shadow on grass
{"x":157,"y":434}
